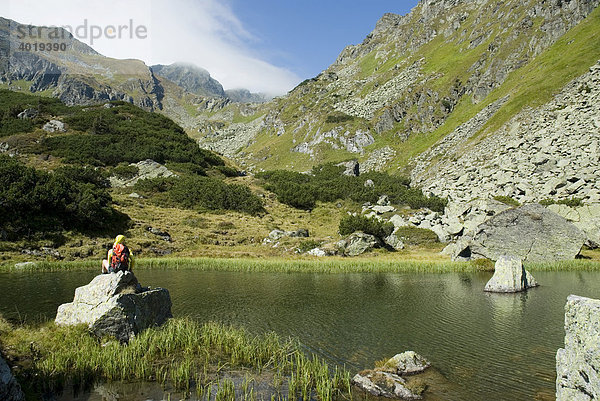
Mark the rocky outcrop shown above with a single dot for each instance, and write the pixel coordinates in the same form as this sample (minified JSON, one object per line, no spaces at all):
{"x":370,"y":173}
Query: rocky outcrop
{"x":510,"y":276}
{"x":578,"y":363}
{"x":146,"y":169}
{"x":191,"y":78}
{"x":387,"y":381}
{"x":358,"y":243}
{"x":530,"y":232}
{"x":10,"y":390}
{"x":116,"y":304}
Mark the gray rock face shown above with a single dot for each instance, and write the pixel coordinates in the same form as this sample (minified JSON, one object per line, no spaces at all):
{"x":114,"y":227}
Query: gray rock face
{"x":116,"y":304}
{"x":54,"y":126}
{"x":358,"y":243}
{"x":510,"y":276}
{"x":10,"y":390}
{"x":578,"y":363}
{"x":530,"y":232}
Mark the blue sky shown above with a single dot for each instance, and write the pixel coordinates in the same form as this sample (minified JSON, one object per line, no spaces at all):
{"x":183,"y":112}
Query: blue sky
{"x":307,"y":36}
{"x":262,"y":45}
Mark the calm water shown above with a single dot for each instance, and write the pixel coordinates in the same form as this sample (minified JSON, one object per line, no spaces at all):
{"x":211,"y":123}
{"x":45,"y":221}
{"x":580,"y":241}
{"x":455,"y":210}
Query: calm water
{"x":488,"y":346}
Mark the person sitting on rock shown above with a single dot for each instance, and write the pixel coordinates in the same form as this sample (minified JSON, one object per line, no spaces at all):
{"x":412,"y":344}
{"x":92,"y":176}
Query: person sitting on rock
{"x":119,"y":258}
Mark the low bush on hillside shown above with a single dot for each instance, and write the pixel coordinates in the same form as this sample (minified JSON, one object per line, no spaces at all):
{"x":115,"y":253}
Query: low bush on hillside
{"x":13,"y":103}
{"x":326,"y":183}
{"x":416,"y":236}
{"x":34,"y":201}
{"x":125,"y":133}
{"x":507,"y":200}
{"x":571,"y":202}
{"x":351,"y":223}
{"x":202,"y":193}
{"x":125,"y":171}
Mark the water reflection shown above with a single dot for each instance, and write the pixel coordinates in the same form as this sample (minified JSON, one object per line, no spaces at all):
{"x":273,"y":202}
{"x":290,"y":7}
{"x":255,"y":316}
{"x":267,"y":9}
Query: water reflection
{"x":488,"y":346}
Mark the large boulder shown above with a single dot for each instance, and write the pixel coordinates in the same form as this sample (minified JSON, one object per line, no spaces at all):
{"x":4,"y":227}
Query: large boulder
{"x":116,"y":304}
{"x":9,"y":388}
{"x":358,"y":243}
{"x":578,"y":363}
{"x":510,"y":276}
{"x":530,"y":232}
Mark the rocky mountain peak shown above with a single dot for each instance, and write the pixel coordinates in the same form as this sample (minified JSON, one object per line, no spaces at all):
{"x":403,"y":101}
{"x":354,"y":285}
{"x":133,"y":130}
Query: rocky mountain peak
{"x":192,"y":78}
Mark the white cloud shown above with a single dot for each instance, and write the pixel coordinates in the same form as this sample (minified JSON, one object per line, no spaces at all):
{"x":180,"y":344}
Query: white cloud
{"x":203,"y":32}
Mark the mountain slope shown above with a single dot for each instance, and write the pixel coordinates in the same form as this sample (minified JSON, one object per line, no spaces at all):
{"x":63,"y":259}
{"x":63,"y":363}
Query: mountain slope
{"x":415,"y":79}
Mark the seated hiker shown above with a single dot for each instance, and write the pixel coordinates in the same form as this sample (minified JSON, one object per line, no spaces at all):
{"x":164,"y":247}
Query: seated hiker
{"x":119,"y":257}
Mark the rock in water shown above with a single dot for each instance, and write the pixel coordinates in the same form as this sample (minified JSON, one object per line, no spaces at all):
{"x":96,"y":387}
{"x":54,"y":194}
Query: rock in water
{"x":383,"y":384}
{"x":117,"y":305}
{"x":510,"y":276}
{"x":578,"y":364}
{"x":9,"y":388}
{"x":530,"y":232}
{"x":406,"y":363}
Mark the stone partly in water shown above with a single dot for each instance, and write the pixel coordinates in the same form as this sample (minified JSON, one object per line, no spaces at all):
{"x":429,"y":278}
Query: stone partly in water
{"x":117,"y":305}
{"x":387,"y":381}
{"x":9,"y":388}
{"x":384,"y":384}
{"x":510,"y":276}
{"x":530,"y":232}
{"x":406,"y":363}
{"x":578,"y":363}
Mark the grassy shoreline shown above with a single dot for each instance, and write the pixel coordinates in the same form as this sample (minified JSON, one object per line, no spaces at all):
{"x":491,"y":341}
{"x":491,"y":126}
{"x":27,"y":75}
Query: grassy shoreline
{"x":331,"y":265}
{"x":182,"y":354}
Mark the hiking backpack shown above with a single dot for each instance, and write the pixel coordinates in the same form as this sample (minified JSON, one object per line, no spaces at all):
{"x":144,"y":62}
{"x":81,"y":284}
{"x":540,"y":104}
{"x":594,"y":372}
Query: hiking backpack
{"x":120,"y":258}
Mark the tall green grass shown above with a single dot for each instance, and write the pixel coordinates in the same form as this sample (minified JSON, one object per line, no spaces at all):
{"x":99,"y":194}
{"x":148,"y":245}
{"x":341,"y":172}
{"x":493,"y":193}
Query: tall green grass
{"x":329,"y":265}
{"x":183,"y":354}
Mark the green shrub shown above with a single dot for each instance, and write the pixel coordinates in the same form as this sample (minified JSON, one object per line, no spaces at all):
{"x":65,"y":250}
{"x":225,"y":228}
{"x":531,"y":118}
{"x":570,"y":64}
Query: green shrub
{"x":416,"y":236}
{"x":338,"y":118}
{"x":125,"y":171}
{"x":125,"y":133}
{"x":228,"y":171}
{"x":507,"y":200}
{"x":307,"y":245}
{"x":69,"y":198}
{"x":202,"y":193}
{"x":379,"y":229}
{"x":571,"y":202}
{"x":326,"y":183}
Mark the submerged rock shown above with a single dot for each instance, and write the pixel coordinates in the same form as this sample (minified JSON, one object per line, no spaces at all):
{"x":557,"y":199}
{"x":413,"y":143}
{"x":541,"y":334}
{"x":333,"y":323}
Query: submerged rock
{"x":387,"y":380}
{"x":578,"y":363}
{"x":116,"y":304}
{"x":10,"y":390}
{"x":510,"y":276}
{"x":384,"y":384}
